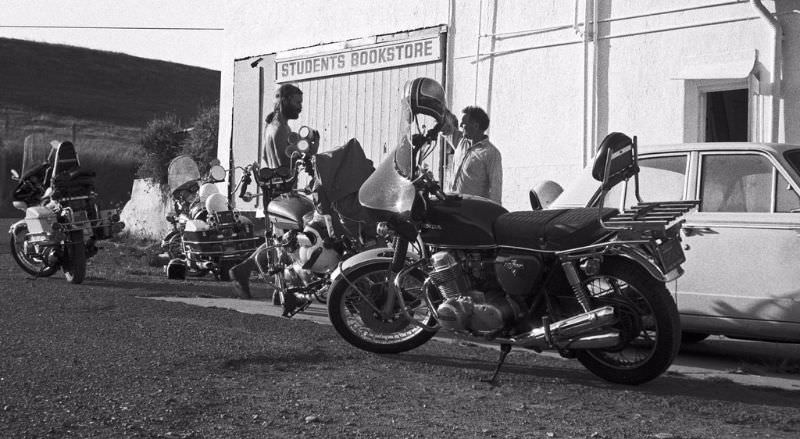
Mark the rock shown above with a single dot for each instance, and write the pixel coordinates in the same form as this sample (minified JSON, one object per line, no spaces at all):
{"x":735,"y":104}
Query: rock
{"x":310,"y":419}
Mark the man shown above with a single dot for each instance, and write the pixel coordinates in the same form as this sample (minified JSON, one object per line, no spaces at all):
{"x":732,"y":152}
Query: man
{"x":477,"y":164}
{"x":288,"y":105}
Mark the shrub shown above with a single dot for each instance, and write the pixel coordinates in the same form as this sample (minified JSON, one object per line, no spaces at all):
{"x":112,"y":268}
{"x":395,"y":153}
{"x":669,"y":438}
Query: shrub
{"x":201,"y":144}
{"x":162,"y":141}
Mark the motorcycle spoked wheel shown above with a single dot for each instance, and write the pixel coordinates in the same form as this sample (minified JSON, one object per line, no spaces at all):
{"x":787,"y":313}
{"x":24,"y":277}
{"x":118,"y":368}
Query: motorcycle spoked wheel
{"x":29,"y":264}
{"x":174,"y":247}
{"x":360,"y":325}
{"x":649,"y":324}
{"x":74,"y":261}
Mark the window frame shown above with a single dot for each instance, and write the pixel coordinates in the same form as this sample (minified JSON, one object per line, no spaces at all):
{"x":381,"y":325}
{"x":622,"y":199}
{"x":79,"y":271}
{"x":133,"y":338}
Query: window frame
{"x":777,"y":168}
{"x":684,"y":193}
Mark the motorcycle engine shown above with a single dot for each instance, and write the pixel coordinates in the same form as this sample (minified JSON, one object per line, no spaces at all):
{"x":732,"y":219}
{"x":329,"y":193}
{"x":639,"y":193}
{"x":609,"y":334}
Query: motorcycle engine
{"x":466,"y":308}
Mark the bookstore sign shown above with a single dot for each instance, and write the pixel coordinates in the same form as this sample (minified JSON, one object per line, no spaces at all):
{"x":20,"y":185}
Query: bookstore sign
{"x":379,"y":56}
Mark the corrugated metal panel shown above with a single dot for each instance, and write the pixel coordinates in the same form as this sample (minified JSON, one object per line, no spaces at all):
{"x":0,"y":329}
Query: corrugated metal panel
{"x":363,"y":105}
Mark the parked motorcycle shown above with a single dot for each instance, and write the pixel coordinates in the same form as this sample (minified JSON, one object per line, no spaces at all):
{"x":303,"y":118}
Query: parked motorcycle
{"x":62,"y":222}
{"x":208,"y":236}
{"x":310,"y":230}
{"x":588,"y":282}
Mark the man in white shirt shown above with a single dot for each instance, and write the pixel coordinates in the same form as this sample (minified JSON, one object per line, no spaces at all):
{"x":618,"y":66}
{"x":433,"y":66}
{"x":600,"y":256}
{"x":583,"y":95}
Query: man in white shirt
{"x":477,"y":163}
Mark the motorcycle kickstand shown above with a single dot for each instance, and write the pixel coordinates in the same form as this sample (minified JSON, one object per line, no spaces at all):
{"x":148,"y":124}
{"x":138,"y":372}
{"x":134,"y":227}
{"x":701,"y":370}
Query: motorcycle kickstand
{"x":505,"y":348}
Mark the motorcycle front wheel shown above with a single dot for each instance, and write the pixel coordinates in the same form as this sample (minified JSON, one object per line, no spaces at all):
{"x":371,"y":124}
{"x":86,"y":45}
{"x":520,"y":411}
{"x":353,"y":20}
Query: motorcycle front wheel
{"x":74,"y":262}
{"x":649,"y":324}
{"x":29,"y":264}
{"x":352,"y":310}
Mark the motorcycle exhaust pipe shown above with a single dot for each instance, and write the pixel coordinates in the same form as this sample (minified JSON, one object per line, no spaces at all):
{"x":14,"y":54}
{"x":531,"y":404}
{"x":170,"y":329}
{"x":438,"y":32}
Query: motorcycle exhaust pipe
{"x":573,"y":332}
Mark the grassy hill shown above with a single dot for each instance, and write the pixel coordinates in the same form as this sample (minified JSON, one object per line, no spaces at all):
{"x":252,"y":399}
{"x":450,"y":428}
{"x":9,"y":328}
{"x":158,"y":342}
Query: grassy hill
{"x":101,"y":99}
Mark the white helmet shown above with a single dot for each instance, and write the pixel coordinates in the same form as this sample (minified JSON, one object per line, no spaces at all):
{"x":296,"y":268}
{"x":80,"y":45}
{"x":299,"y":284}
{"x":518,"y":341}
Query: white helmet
{"x":547,"y":191}
{"x":316,"y":257}
{"x":206,"y":190}
{"x":217,"y":203}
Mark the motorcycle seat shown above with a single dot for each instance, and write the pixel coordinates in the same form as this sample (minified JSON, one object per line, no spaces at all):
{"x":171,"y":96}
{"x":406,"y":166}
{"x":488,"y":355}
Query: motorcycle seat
{"x":557,"y":229}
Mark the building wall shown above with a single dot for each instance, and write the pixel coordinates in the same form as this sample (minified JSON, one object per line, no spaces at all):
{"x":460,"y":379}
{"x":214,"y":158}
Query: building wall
{"x":532,"y":66}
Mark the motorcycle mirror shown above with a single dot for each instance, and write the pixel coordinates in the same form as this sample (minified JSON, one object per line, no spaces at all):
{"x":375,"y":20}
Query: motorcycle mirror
{"x":216,"y":173}
{"x":170,"y":218}
{"x":14,"y":175}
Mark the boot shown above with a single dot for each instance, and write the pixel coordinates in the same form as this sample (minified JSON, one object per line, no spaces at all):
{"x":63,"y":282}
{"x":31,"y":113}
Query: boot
{"x":240,"y":276}
{"x":276,"y":297}
{"x":293,"y":305}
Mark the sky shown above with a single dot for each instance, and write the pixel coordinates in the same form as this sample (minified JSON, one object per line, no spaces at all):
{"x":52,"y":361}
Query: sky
{"x":183,"y":31}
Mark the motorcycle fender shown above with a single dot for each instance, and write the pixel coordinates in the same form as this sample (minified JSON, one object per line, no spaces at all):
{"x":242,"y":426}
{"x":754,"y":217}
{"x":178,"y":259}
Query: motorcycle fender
{"x":16,"y":226}
{"x":649,"y":266}
{"x":364,"y":258}
{"x":168,"y":237}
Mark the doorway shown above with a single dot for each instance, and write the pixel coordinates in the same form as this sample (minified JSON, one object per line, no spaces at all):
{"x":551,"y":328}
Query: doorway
{"x":726,"y":115}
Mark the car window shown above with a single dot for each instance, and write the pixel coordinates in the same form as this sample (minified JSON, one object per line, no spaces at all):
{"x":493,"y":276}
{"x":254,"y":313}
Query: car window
{"x":660,"y":179}
{"x":786,"y":199}
{"x":736,"y":183}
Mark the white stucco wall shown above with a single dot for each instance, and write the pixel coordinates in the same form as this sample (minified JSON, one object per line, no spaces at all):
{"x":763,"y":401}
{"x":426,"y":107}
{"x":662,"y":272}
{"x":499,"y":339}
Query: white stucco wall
{"x":538,"y":86}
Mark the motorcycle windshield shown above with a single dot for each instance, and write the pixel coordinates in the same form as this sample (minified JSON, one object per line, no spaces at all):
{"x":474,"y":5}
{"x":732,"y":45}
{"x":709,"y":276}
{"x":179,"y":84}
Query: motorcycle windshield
{"x":389,"y":188}
{"x":36,"y":151}
{"x":182,"y":170}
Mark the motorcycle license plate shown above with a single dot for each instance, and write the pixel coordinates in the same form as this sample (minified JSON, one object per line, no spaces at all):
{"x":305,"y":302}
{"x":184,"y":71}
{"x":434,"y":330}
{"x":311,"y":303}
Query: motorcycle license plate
{"x":670,"y":254}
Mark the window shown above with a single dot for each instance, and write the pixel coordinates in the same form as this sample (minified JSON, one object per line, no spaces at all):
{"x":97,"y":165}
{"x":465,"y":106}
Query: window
{"x":742,"y":183}
{"x":786,"y":199}
{"x":660,"y":179}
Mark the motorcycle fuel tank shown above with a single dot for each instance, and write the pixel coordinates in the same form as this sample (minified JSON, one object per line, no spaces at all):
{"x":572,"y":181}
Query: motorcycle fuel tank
{"x":286,"y":211}
{"x":463,"y":221}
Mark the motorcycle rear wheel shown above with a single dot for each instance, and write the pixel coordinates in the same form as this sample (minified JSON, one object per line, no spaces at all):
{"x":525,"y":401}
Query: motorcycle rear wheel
{"x":30,"y":265}
{"x":649,"y":324}
{"x":74,"y":263}
{"x":355,"y":320}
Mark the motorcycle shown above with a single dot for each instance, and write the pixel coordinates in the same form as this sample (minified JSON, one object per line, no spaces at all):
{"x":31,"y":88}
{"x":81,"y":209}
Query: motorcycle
{"x":587,"y":282}
{"x":62,"y":221}
{"x":309,"y":230}
{"x":207,"y":236}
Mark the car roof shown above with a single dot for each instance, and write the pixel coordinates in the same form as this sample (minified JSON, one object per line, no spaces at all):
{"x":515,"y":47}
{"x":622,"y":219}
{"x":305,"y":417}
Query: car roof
{"x":776,"y":148}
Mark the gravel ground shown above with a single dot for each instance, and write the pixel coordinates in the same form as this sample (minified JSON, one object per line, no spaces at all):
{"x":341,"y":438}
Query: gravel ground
{"x":97,"y":360}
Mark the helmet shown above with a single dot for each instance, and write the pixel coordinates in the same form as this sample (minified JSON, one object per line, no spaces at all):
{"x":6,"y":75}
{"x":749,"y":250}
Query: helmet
{"x":217,"y":203}
{"x":317,"y":257}
{"x":547,"y":191}
{"x":426,"y":96}
{"x":206,"y":190}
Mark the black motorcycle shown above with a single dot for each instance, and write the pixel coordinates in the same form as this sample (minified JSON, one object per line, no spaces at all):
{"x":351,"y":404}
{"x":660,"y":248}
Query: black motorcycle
{"x":587,"y":282}
{"x":309,"y":229}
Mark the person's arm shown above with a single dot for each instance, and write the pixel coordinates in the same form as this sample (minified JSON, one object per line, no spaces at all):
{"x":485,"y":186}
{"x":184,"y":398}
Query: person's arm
{"x":494,"y":171}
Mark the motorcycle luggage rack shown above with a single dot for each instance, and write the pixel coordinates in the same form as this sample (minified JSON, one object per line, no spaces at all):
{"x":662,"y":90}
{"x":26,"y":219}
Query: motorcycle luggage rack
{"x":618,"y":160}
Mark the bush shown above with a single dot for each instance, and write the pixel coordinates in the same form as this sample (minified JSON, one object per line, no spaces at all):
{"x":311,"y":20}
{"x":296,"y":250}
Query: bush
{"x":162,"y":141}
{"x":201,"y":144}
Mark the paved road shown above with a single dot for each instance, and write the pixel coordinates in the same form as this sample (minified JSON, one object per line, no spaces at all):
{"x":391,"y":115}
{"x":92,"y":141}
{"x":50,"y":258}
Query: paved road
{"x":715,"y":358}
